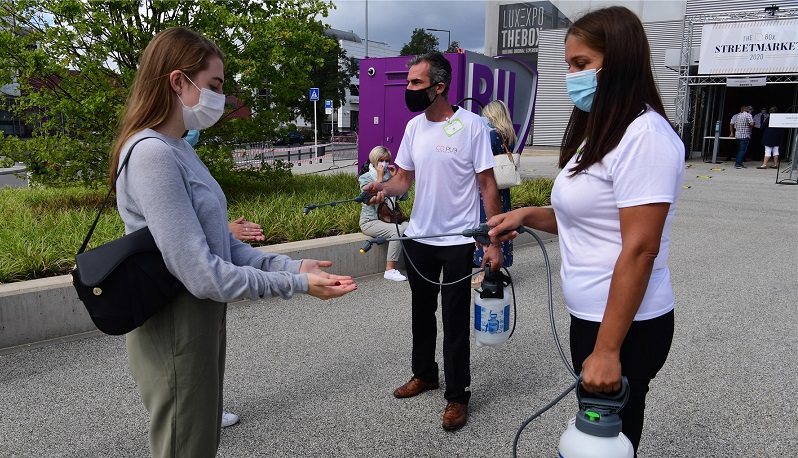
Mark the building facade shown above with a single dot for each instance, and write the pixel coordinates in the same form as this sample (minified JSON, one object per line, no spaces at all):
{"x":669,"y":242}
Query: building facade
{"x":695,"y":100}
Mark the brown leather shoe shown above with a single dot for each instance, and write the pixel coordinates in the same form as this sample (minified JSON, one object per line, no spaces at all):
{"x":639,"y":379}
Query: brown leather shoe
{"x":455,"y":416}
{"x":414,"y":387}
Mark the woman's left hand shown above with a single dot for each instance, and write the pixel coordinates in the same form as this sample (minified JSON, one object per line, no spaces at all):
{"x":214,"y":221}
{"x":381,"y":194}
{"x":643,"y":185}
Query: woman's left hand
{"x":601,"y":372}
{"x":246,"y":231}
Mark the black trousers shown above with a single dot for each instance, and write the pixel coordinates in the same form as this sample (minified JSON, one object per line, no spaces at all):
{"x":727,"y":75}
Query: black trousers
{"x":643,"y":354}
{"x":455,"y":263}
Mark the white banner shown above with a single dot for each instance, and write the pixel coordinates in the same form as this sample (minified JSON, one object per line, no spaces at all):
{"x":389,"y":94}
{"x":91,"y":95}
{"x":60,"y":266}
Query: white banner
{"x":749,"y":47}
{"x":783,"y":120}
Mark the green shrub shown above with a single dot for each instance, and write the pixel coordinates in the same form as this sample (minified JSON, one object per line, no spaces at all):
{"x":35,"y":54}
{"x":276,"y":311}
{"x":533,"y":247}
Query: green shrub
{"x":44,"y":227}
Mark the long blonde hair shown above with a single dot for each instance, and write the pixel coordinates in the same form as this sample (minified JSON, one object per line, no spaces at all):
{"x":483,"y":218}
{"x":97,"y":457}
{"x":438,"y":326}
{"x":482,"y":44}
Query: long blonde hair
{"x":150,"y":100}
{"x":497,"y":113}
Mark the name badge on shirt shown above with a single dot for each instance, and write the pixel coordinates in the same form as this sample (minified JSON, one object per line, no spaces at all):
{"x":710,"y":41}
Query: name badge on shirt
{"x":453,"y":126}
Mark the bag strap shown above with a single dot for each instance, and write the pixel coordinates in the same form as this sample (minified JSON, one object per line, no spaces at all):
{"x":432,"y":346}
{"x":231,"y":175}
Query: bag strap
{"x":105,"y":202}
{"x":506,"y":150}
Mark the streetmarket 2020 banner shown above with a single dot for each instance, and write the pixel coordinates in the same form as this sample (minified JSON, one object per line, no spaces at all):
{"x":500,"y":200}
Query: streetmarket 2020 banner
{"x":749,"y":47}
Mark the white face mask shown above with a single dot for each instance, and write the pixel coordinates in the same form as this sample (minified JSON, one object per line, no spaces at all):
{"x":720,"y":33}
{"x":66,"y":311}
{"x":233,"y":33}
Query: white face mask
{"x":206,"y":112}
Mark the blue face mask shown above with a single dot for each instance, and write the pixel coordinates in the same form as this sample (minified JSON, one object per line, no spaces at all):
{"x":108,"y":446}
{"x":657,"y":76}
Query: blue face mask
{"x":192,"y":137}
{"x":582,"y":87}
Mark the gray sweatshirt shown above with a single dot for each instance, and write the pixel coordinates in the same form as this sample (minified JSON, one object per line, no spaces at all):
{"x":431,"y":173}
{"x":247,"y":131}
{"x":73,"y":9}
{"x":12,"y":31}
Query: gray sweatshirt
{"x":166,"y":187}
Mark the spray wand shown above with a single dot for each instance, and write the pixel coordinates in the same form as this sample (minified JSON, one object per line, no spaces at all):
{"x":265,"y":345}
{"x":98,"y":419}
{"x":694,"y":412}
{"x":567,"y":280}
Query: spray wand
{"x":363,"y":198}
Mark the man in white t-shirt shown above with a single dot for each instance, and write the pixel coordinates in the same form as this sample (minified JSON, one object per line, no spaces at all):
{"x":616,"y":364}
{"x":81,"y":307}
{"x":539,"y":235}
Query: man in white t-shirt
{"x":446,"y":150}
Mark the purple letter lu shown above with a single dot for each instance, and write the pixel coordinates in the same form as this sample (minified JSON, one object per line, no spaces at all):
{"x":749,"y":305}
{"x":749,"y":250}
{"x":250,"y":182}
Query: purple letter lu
{"x":486,"y":85}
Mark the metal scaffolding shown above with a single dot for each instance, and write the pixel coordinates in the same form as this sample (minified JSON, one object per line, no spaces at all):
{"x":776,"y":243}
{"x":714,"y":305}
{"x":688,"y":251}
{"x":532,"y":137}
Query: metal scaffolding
{"x":686,"y":79}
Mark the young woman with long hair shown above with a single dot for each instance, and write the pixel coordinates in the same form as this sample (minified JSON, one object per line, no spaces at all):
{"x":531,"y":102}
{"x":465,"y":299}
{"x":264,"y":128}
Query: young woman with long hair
{"x":177,"y":357}
{"x":613,"y":204}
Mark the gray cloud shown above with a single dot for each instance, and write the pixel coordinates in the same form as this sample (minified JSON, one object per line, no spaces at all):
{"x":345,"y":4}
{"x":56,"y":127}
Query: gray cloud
{"x":393,"y":21}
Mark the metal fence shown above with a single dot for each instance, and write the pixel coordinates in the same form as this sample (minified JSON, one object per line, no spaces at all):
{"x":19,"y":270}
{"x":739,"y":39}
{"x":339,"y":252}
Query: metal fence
{"x":255,"y":155}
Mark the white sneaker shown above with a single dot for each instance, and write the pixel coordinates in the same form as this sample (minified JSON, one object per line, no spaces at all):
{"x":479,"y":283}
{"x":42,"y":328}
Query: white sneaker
{"x":229,"y":419}
{"x":394,"y":275}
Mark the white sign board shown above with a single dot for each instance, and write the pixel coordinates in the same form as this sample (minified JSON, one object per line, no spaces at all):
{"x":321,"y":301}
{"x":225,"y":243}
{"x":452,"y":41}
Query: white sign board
{"x":746,"y":82}
{"x":789,"y":120}
{"x":749,"y":47}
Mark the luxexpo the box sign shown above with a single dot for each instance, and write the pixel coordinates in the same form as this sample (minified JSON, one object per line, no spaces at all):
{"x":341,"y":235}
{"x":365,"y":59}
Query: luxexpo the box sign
{"x":749,"y":47}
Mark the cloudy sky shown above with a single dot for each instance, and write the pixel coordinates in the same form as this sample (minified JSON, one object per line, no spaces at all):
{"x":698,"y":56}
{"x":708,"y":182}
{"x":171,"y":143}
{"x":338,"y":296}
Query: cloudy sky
{"x":393,"y":21}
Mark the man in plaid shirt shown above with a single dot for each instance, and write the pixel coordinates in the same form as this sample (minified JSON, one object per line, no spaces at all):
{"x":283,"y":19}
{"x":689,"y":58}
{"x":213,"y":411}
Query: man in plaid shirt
{"x":741,"y":130}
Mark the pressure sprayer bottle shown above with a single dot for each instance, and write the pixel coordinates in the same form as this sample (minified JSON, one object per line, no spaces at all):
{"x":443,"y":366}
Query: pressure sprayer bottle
{"x":595,"y":432}
{"x":492,"y":309}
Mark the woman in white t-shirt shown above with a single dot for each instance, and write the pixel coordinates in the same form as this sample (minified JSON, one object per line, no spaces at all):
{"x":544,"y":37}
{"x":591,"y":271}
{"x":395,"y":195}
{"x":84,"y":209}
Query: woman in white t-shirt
{"x":613,"y":204}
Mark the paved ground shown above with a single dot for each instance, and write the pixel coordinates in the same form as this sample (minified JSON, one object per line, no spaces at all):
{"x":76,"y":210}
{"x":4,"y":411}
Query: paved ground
{"x":313,"y":378}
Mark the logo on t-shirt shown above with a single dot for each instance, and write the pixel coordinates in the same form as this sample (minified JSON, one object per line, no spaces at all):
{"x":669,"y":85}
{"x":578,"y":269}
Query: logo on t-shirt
{"x":446,"y":149}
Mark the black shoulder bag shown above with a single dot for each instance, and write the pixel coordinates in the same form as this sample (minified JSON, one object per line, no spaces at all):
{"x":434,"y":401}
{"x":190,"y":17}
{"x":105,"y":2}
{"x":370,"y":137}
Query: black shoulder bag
{"x":124,"y":282}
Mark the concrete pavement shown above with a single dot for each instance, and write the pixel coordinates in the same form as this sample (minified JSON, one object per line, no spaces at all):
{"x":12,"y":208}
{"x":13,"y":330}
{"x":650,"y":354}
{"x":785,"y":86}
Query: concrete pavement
{"x":312,"y":378}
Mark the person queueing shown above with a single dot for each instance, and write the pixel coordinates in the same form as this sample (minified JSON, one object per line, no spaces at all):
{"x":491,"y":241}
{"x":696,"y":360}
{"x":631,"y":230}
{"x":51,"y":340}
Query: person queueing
{"x":380,"y":169}
{"x":613,"y":205}
{"x":446,"y":151}
{"x":502,"y":140}
{"x":771,"y":140}
{"x":177,"y":357}
{"x":741,"y":130}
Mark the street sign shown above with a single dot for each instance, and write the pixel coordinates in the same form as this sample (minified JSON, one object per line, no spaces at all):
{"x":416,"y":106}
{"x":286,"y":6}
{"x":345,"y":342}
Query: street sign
{"x":328,"y":107}
{"x":314,"y":94}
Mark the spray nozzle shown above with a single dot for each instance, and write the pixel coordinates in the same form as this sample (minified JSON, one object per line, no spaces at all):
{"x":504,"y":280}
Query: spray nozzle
{"x":370,"y":242}
{"x":366,"y":246}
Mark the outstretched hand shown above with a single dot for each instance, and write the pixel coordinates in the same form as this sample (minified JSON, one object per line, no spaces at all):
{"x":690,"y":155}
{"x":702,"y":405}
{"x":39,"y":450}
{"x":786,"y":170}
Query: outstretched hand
{"x":325,"y":285}
{"x":328,"y":288}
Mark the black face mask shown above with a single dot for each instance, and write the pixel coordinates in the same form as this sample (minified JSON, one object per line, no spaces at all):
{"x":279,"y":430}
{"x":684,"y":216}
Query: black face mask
{"x":418,"y":100}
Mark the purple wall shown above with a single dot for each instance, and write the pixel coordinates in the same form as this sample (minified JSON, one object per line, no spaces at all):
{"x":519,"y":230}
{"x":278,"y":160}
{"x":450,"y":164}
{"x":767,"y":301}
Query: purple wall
{"x":384,"y":115}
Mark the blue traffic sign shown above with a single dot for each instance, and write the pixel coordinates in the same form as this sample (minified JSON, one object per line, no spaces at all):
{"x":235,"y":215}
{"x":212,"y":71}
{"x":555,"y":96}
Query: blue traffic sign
{"x":314,"y":94}
{"x":328,"y":104}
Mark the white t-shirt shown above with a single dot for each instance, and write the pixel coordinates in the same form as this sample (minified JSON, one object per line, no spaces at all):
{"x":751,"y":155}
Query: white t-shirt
{"x":445,"y":156}
{"x":646,"y":167}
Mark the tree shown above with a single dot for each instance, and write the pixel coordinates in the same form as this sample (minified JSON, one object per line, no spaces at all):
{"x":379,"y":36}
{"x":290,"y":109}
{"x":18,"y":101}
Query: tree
{"x":332,"y":78}
{"x":453,"y":47}
{"x":75,"y":60}
{"x":421,"y":42}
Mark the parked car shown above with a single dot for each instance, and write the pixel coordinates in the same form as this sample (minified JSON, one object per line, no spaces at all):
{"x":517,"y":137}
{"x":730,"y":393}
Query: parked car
{"x":345,"y":137}
{"x":290,"y":139}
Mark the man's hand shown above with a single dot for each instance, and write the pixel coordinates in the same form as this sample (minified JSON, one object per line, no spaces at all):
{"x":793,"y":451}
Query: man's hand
{"x":493,"y":255}
{"x":375,"y":188}
{"x":246,"y":231}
